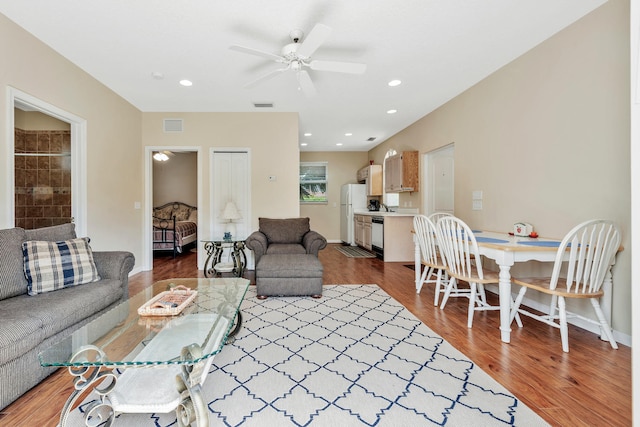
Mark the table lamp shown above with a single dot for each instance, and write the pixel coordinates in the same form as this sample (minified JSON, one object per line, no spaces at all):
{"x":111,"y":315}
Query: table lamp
{"x":230,"y":213}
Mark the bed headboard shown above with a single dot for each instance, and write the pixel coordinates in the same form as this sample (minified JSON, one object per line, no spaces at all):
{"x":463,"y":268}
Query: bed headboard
{"x":180,"y":210}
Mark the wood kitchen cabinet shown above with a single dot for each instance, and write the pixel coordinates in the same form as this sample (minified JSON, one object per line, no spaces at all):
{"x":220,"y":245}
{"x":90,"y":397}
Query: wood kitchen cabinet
{"x":362,"y":231}
{"x":401,"y":172}
{"x":371,"y":175}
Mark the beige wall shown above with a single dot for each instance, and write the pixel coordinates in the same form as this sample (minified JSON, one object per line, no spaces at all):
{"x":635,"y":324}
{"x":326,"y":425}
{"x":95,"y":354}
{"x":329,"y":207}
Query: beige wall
{"x":271,"y":139}
{"x":35,"y":120}
{"x":546,"y":138}
{"x":176,"y":180}
{"x":114,"y":173}
{"x":342,"y":168}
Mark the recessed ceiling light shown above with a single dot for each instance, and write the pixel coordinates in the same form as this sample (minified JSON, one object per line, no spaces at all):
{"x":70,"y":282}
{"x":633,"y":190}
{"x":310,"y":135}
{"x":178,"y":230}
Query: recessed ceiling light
{"x":304,"y":144}
{"x":393,"y":83}
{"x":339,"y":144}
{"x":348,"y":134}
{"x":186,"y":82}
{"x":307,"y":134}
{"x":392,"y":111}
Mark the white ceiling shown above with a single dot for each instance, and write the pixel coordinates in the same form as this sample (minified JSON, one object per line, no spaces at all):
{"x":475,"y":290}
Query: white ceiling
{"x":437,"y":48}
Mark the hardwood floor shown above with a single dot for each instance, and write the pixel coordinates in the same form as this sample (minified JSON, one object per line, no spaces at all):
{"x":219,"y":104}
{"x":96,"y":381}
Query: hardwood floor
{"x":590,"y":386}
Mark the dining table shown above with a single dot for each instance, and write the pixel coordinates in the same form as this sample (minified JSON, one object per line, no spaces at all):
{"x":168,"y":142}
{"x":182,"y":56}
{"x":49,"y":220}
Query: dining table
{"x":507,"y":249}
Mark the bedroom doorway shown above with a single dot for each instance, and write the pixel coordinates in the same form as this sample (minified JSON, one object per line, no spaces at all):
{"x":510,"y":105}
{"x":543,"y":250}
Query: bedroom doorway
{"x":175,"y":192}
{"x":174,"y":177}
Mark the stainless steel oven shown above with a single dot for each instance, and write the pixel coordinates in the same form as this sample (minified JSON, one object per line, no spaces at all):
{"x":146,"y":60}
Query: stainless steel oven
{"x":377,"y":235}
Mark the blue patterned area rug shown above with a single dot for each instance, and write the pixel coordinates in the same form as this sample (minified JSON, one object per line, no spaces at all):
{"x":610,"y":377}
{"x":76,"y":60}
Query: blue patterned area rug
{"x":354,"y":357}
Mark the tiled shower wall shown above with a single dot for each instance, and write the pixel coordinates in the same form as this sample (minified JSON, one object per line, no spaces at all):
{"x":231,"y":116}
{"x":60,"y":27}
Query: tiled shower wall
{"x":42,"y":178}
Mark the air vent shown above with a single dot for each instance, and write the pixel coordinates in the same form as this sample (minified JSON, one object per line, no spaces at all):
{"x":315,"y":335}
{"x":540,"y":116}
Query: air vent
{"x":263,"y":104}
{"x":371,"y":138}
{"x":172,"y":125}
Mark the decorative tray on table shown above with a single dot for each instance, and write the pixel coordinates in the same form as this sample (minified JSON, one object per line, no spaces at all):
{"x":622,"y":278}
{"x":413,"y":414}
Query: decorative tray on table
{"x":168,"y":303}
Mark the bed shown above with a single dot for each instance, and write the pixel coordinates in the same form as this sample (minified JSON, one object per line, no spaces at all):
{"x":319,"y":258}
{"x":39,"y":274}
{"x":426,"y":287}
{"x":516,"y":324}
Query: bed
{"x":175,"y":224}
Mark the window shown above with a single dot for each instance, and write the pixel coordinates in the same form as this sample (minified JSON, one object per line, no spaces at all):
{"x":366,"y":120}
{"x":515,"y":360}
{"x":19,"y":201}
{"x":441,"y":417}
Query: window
{"x":313,"y":182}
{"x":390,"y":199}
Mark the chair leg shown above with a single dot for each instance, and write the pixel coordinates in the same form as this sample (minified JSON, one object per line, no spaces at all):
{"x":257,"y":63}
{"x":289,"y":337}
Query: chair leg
{"x":553,"y":306}
{"x":603,"y":323}
{"x":452,"y":282}
{"x":564,"y":330}
{"x":516,"y":304}
{"x":425,"y":273}
{"x":437,"y":289}
{"x":472,"y":305}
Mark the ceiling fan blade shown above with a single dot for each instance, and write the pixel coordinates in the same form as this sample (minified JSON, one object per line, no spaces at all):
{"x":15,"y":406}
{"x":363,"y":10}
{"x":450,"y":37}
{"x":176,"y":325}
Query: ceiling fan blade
{"x":306,"y":84}
{"x":257,"y":52}
{"x":338,"y":67}
{"x":266,"y":77}
{"x":314,"y":39}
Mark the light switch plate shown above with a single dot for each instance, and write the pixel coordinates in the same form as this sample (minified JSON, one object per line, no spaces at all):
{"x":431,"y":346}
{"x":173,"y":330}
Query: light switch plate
{"x":477,"y":195}
{"x":477,"y":205}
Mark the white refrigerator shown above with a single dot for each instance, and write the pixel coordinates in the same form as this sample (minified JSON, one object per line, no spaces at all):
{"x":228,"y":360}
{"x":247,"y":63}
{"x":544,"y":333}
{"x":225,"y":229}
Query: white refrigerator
{"x":353,"y":197}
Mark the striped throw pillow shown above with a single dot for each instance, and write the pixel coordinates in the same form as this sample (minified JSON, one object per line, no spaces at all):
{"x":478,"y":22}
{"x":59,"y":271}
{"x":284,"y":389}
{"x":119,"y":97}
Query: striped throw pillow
{"x":49,"y":266}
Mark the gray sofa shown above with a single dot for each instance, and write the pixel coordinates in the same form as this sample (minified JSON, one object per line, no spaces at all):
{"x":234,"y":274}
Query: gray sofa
{"x":30,"y":324}
{"x":286,"y":256}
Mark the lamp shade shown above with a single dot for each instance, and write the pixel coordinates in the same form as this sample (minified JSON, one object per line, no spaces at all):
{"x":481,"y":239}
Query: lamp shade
{"x":231,"y":212}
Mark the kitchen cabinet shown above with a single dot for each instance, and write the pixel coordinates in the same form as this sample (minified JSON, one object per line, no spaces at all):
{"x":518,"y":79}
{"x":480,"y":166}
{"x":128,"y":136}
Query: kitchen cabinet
{"x":398,"y":243}
{"x":371,"y":175}
{"x":401,"y":172}
{"x":362,"y":231}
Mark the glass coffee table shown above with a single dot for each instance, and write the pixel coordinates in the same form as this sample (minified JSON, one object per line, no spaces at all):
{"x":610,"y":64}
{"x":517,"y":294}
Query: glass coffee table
{"x":161,"y":361}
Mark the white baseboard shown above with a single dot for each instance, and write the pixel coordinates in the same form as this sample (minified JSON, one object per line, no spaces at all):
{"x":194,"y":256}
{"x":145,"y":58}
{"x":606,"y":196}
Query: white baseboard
{"x":135,"y":271}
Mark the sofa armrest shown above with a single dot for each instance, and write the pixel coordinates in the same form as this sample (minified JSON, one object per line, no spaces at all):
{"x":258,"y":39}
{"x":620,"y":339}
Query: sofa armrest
{"x":115,"y":265}
{"x":258,"y":243}
{"x":313,"y":242}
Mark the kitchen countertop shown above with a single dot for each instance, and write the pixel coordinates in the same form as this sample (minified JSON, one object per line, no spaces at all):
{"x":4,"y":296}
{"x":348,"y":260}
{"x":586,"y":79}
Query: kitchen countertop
{"x":399,"y":212}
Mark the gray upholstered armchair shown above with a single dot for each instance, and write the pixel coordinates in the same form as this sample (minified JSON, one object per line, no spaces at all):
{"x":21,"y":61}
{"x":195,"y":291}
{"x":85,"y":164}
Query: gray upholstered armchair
{"x":285,"y":236}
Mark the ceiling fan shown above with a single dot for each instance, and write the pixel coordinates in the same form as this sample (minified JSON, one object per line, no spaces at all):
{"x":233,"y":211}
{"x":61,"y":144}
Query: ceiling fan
{"x":296,"y":56}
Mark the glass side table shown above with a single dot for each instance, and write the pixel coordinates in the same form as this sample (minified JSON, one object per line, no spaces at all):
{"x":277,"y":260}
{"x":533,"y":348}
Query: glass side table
{"x":215,"y":248}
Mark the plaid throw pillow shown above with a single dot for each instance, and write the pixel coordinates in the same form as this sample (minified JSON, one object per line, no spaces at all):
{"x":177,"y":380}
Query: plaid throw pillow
{"x":49,"y":266}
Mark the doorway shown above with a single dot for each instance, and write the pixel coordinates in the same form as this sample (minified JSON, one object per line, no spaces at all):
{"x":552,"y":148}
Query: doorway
{"x":73,"y":193}
{"x":438,"y":176}
{"x":188,"y":157}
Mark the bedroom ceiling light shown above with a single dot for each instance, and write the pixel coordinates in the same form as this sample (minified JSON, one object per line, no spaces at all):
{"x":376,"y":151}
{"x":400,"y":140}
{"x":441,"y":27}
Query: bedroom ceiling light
{"x":394,"y":83}
{"x":339,"y":144}
{"x":304,"y":144}
{"x":348,"y":134}
{"x":186,"y":83}
{"x":161,"y":157}
{"x":307,"y":134}
{"x":392,"y":111}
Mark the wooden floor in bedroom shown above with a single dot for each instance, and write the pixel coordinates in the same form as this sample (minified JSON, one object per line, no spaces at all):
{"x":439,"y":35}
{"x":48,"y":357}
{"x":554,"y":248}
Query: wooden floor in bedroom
{"x":589,"y":386}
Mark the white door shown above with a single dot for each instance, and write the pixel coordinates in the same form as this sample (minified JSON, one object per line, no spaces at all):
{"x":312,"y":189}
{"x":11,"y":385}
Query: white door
{"x":230,"y":183}
{"x":439,"y":180}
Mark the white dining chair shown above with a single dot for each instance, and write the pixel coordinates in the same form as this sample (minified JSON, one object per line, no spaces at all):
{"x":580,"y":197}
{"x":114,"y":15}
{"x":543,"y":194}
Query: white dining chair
{"x":434,"y":217}
{"x":434,"y":270}
{"x":462,"y":259}
{"x":583,"y":260}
